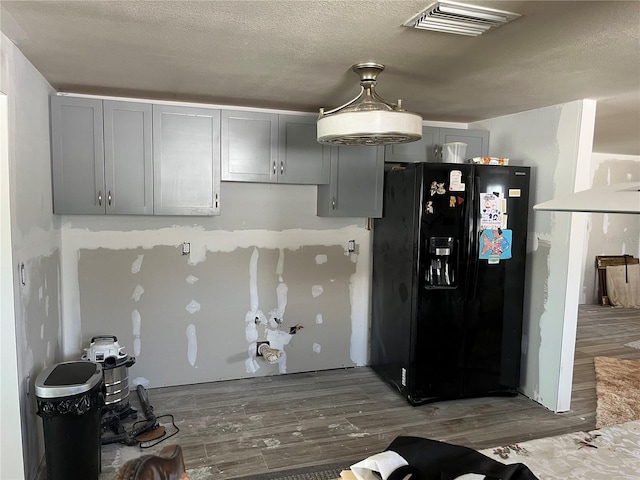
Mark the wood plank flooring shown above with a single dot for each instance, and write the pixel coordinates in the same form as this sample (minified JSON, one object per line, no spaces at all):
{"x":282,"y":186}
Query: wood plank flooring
{"x":242,"y":427}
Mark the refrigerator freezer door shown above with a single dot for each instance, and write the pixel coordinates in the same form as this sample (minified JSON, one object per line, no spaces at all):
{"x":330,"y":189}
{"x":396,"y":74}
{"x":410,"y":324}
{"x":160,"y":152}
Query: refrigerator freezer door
{"x":442,"y":281}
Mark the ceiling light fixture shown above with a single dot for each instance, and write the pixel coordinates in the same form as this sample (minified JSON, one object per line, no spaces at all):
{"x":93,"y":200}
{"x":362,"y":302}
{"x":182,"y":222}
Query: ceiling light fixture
{"x":458,"y":18}
{"x":616,"y":198}
{"x":368,"y":119}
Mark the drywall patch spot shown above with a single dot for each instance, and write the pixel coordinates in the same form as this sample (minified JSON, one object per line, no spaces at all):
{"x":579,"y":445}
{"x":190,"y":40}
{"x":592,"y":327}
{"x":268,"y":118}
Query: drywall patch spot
{"x":253,"y":280}
{"x":251,"y":365}
{"x":135,"y":322}
{"x":317,"y":347}
{"x":319,"y":319}
{"x":198,"y":254}
{"x":137,"y":346}
{"x":280,"y":264}
{"x":141,"y":381}
{"x":278,"y":314}
{"x":251,"y":331}
{"x":137,"y":293}
{"x":135,"y":326}
{"x":137,"y":264}
{"x":42,"y":332}
{"x":40,"y":293}
{"x":192,"y":344}
{"x":193,"y":307}
{"x":317,"y":290}
{"x":191,"y":279}
{"x":320,"y":259}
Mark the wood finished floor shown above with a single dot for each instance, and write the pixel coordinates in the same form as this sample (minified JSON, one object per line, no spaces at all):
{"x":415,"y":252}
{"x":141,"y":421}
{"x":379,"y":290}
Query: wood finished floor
{"x":250,"y":426}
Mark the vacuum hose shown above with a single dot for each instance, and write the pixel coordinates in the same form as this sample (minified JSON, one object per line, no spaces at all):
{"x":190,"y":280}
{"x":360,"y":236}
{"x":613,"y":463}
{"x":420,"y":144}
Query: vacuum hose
{"x":129,"y":438}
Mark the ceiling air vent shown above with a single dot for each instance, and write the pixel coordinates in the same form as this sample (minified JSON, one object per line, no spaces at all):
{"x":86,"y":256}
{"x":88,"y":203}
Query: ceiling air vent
{"x":458,"y":18}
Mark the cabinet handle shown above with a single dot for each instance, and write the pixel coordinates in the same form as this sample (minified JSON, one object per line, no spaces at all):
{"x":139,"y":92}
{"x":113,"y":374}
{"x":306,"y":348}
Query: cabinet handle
{"x":109,"y":197}
{"x":333,"y":203}
{"x":281,"y":167}
{"x":100,"y":198}
{"x":274,"y":168}
{"x":216,"y":200}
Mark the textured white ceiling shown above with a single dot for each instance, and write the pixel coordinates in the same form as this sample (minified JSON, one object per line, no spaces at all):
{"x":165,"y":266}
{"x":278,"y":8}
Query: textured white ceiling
{"x":296,"y":55}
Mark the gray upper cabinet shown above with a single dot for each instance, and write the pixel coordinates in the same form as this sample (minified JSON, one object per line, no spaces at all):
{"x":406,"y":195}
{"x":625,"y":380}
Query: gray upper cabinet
{"x":477,"y":140}
{"x":102,"y":158}
{"x":421,"y":151}
{"x":249,"y":146}
{"x":301,"y":159}
{"x":429,"y":147}
{"x":272,"y":148}
{"x":128,"y":158}
{"x":77,"y":155}
{"x":186,"y":151}
{"x":355,"y":189}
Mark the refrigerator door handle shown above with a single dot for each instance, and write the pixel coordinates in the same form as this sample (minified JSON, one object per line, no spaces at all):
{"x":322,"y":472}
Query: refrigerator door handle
{"x":474,"y":259}
{"x":467,"y":243}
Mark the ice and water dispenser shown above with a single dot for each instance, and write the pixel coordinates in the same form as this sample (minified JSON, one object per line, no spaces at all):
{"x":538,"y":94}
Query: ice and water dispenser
{"x":441,"y":264}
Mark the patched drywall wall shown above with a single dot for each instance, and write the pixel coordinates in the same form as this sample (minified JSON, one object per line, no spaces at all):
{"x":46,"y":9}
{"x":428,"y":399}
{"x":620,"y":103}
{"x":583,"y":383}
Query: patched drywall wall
{"x":609,"y":234}
{"x":35,"y":240}
{"x":555,"y":142}
{"x":189,"y":322}
{"x":39,"y":335}
{"x":192,"y":318}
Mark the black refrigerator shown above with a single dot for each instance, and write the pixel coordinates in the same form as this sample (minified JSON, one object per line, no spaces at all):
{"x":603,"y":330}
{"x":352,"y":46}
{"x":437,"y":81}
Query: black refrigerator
{"x":448,"y":280}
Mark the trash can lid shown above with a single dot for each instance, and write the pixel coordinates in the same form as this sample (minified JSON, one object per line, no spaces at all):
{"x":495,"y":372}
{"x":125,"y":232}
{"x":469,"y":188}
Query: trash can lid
{"x":67,"y":379}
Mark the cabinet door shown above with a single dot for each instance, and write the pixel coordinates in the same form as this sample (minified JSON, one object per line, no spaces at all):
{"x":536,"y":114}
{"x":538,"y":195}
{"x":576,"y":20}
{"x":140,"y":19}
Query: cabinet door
{"x":477,"y":140}
{"x":77,"y":155}
{"x":249,"y":146}
{"x":302,"y":159}
{"x":186,"y":156}
{"x":355,"y":189}
{"x":128,"y":157}
{"x":421,"y":151}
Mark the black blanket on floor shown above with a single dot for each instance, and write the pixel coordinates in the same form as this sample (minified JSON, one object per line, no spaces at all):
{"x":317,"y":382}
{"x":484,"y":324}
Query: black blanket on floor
{"x":434,"y":460}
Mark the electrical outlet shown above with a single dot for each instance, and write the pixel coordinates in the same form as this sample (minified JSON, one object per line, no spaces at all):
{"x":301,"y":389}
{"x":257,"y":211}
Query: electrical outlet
{"x":351,"y":246}
{"x":186,"y":248}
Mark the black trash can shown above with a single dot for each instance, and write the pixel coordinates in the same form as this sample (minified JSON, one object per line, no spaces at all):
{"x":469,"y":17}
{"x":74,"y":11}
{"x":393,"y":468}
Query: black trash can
{"x":70,"y":403}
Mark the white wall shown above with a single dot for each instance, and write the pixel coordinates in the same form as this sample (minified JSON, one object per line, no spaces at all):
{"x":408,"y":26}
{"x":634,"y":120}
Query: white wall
{"x":10,"y":430}
{"x":609,"y":234}
{"x":35,"y":240}
{"x":555,"y":141}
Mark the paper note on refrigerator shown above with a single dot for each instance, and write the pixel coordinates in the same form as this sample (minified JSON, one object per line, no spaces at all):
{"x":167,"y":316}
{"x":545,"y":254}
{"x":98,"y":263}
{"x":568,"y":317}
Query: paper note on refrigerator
{"x":455,"y":181}
{"x":495,"y":245}
{"x":491,"y":211}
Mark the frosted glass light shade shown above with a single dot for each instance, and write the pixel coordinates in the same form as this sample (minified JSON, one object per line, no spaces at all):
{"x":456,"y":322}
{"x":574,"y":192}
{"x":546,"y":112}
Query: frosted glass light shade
{"x":376,"y":127}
